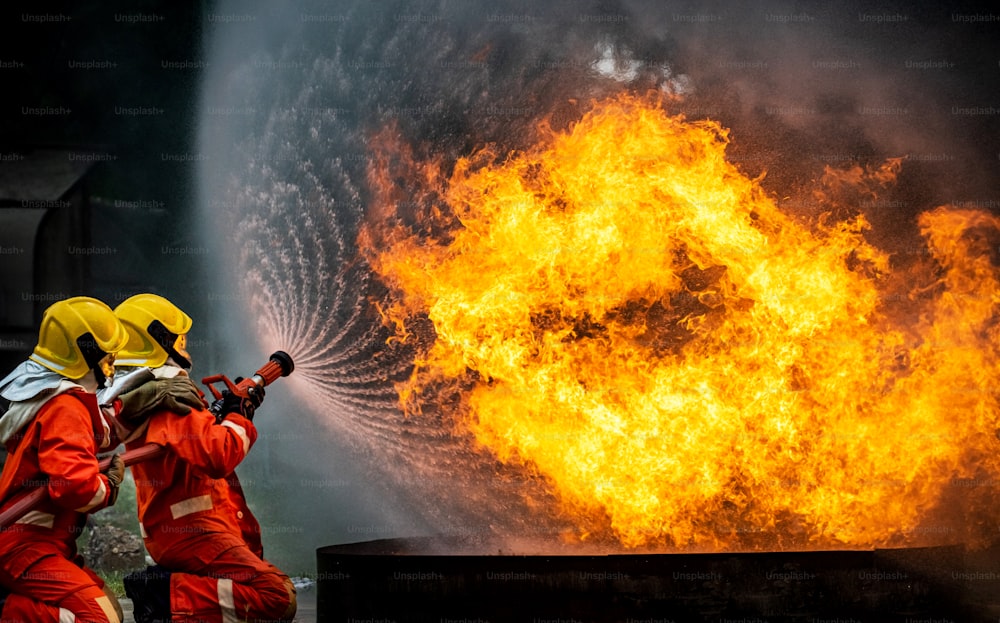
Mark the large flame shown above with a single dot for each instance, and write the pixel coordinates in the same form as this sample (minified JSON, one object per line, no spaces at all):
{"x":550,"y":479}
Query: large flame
{"x":636,"y":321}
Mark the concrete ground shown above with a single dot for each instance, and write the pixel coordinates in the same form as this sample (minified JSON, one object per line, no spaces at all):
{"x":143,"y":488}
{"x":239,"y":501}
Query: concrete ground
{"x":306,"y":613}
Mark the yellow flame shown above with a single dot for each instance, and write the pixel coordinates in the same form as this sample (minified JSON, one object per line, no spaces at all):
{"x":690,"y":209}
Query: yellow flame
{"x":687,"y":366}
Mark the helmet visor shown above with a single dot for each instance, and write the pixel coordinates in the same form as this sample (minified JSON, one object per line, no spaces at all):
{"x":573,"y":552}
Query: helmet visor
{"x":175,"y":345}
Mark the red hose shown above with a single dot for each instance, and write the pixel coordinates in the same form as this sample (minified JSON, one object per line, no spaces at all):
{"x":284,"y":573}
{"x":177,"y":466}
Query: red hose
{"x":31,"y":499}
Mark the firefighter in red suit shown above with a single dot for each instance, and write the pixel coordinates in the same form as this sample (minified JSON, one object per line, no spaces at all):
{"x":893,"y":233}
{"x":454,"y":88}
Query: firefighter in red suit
{"x":53,"y":428}
{"x":194,"y":519}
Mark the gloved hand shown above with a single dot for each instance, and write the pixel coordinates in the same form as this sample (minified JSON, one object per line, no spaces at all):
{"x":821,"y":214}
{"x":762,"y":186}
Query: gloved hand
{"x":178,"y":395}
{"x":115,"y":473}
{"x":231,"y":403}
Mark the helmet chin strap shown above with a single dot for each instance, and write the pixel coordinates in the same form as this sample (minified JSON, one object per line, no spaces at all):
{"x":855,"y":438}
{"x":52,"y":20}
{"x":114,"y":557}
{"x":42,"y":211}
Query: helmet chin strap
{"x":179,"y":360}
{"x":93,"y":355}
{"x":99,"y":378}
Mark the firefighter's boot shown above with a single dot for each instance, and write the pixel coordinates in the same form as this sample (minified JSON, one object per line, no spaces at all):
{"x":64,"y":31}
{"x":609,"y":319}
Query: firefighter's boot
{"x":149,"y":591}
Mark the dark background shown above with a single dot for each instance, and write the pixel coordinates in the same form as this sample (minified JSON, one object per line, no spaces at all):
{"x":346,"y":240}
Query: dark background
{"x":104,"y":92}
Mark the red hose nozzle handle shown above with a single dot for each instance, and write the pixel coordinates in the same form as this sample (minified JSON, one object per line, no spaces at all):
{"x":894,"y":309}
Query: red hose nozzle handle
{"x":280,"y":364}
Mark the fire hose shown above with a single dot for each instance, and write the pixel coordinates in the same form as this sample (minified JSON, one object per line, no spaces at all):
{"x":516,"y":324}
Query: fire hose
{"x":280,"y":364}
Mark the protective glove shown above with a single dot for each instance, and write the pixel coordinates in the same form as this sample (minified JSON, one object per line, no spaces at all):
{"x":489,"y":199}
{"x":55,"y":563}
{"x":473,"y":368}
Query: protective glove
{"x":178,"y":395}
{"x":231,"y":403}
{"x":115,"y":473}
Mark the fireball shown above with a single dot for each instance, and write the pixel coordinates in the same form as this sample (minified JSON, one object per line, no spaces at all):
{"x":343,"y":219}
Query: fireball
{"x":630,"y":317}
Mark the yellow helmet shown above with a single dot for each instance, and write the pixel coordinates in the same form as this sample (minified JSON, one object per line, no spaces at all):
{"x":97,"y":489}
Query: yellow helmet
{"x":77,"y":335}
{"x":156,"y":328}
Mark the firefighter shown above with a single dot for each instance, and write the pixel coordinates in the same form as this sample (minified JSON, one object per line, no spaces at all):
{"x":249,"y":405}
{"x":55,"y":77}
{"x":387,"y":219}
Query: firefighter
{"x":53,"y":430}
{"x":194,"y":519}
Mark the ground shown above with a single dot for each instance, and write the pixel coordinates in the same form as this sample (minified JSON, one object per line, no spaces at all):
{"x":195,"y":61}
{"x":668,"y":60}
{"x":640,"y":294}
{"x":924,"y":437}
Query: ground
{"x":306,"y":613}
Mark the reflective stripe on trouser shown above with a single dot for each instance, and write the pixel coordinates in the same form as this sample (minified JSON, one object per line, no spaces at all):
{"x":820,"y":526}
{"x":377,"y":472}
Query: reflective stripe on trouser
{"x":236,"y":586}
{"x":88,"y":604}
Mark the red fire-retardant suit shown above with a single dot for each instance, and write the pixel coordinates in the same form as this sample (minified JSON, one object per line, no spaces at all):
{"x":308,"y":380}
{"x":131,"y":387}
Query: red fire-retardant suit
{"x":38,"y":556}
{"x":196,"y":523}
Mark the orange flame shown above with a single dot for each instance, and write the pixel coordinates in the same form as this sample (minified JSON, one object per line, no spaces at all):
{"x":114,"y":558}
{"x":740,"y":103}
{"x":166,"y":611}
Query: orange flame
{"x":686,"y":366}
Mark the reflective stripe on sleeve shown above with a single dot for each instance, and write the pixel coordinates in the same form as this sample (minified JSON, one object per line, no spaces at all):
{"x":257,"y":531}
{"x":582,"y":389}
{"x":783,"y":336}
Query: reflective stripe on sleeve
{"x":191,"y":505}
{"x":224,"y":589}
{"x":102,"y":492}
{"x":38,"y":518}
{"x":242,"y":432}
